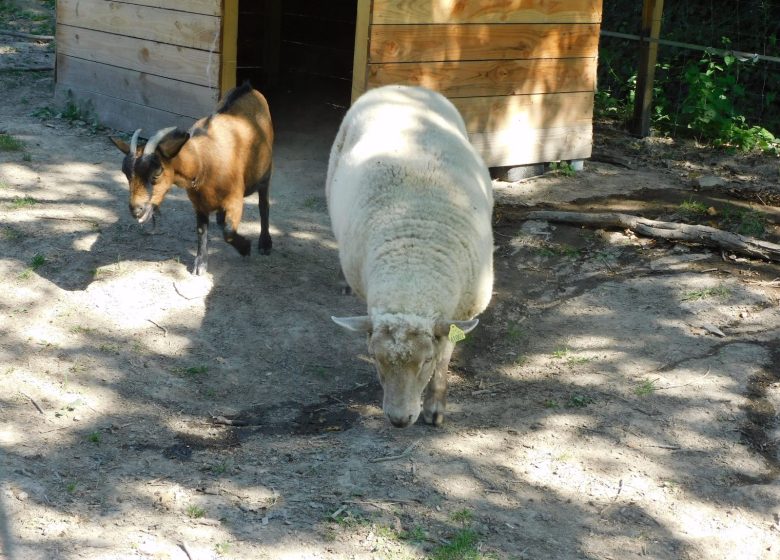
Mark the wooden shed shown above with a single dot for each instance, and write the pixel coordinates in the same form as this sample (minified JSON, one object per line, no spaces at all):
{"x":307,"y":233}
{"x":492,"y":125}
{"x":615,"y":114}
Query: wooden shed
{"x":522,"y":72}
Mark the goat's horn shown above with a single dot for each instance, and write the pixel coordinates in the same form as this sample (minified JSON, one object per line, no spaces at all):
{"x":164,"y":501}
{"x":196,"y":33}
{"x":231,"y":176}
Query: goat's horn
{"x":134,"y":142}
{"x":151,"y":145}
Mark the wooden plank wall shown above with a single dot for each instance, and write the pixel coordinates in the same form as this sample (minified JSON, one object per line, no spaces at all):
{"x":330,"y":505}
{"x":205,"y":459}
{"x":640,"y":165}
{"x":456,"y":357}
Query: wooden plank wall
{"x":140,"y":63}
{"x":522,"y":72}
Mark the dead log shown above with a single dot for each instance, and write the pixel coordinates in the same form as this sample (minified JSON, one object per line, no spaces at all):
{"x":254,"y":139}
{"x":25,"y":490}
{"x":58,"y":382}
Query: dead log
{"x":704,"y":235}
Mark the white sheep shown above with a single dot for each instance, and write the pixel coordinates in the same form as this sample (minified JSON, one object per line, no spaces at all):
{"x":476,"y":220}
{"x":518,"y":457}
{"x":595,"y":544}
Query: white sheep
{"x":410,"y":204}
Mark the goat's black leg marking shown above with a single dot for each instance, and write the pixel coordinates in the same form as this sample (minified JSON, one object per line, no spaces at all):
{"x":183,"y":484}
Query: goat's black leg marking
{"x":229,"y":224}
{"x":265,"y":243}
{"x":201,"y":259}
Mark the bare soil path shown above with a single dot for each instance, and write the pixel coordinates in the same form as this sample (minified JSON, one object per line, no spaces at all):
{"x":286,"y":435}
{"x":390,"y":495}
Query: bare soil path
{"x":595,"y":413}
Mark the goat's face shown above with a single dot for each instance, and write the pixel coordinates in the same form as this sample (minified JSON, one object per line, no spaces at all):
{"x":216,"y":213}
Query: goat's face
{"x":149,"y":170}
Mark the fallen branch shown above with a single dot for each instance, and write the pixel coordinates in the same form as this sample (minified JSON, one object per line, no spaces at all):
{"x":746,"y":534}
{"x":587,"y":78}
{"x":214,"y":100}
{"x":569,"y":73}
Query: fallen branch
{"x":23,"y":35}
{"x":704,"y":235}
{"x":27,"y":69}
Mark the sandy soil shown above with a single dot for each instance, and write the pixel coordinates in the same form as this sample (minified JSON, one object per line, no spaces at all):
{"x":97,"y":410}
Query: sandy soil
{"x":146,"y":413}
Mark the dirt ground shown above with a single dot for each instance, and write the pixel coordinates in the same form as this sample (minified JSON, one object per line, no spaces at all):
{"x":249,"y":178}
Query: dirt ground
{"x":594,"y":413}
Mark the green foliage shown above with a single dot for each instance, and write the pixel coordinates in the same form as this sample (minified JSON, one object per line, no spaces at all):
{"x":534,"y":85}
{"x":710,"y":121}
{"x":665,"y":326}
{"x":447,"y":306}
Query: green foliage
{"x":38,"y":22}
{"x":578,"y":401}
{"x":692,"y":208}
{"x":562,"y":168}
{"x":464,"y":516}
{"x":23,"y":202}
{"x":751,"y":24}
{"x":743,"y":222}
{"x":195,"y":512}
{"x":463,"y":546}
{"x":10,"y":144}
{"x":709,"y":109}
{"x":37,"y":262}
{"x":647,"y":387}
{"x":695,"y":295}
{"x":73,"y":112}
{"x":415,"y":535}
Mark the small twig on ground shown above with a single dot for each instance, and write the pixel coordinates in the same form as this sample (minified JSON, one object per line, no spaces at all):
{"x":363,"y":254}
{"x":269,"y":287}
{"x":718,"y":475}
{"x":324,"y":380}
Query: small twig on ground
{"x":67,"y":219}
{"x":771,"y":283}
{"x":378,"y":505}
{"x":684,"y":384}
{"x":336,"y":513}
{"x":32,"y":400}
{"x":187,"y":550}
{"x":222,"y":421}
{"x":164,"y":330}
{"x":396,"y":457}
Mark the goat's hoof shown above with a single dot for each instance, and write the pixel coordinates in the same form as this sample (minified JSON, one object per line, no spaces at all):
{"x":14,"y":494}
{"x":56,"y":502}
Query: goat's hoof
{"x":244,"y":249}
{"x":264,"y":245}
{"x":199,"y":266}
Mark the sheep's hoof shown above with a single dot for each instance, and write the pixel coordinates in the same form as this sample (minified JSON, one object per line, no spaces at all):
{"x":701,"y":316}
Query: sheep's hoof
{"x":435,"y":418}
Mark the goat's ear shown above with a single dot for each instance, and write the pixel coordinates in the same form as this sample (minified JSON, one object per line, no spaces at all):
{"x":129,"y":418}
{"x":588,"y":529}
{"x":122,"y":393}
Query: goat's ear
{"x":172,"y":143}
{"x":121,"y":144}
{"x":357,"y":324}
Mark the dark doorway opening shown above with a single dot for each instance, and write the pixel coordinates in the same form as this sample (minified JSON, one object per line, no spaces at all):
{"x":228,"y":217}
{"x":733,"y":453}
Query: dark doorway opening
{"x":302,"y":49}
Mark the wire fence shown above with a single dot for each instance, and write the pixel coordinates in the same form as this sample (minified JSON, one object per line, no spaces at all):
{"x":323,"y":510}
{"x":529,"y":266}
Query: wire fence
{"x":749,"y":30}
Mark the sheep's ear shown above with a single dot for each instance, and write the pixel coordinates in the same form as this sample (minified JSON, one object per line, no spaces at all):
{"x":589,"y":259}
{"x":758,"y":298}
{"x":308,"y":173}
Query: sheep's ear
{"x":357,"y":324}
{"x":172,"y":143}
{"x":123,"y":146}
{"x":442,"y":328}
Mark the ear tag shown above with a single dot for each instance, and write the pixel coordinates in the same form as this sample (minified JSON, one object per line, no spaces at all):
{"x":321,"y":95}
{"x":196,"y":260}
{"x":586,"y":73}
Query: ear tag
{"x":456,"y":334}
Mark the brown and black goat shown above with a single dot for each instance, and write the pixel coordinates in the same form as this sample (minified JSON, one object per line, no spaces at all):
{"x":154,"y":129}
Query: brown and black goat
{"x":220,"y":160}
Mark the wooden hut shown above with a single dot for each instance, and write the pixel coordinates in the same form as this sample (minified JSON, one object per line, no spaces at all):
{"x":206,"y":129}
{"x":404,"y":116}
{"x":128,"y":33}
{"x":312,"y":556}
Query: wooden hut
{"x":522,"y":72}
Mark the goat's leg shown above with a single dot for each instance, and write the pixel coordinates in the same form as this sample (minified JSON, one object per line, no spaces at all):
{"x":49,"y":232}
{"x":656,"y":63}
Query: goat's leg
{"x":435,"y":401}
{"x":201,"y":259}
{"x":265,"y":243}
{"x":228,"y":219}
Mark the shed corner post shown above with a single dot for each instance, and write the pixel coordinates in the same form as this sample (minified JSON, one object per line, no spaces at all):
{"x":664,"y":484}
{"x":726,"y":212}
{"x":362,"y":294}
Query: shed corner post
{"x":360,"y":62}
{"x":228,"y":46}
{"x":652,"y":12}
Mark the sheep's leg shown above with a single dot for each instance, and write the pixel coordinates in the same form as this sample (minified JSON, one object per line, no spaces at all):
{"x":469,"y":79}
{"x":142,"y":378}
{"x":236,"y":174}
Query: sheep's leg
{"x":265,"y":243}
{"x":436,"y":392}
{"x":201,"y":259}
{"x":228,"y":219}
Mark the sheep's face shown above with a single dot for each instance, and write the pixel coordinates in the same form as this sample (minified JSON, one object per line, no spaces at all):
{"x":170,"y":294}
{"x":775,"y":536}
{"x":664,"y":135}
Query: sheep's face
{"x":405,"y":361}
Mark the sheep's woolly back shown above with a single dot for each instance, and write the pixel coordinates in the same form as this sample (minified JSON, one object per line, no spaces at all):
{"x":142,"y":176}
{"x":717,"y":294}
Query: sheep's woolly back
{"x":410,"y":203}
